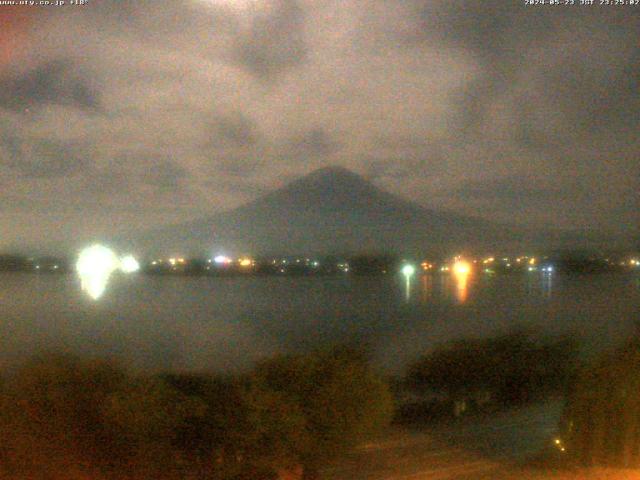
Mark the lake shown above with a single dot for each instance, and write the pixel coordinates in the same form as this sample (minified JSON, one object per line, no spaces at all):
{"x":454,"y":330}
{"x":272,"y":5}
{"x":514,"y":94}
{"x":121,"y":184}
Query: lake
{"x":225,"y":324}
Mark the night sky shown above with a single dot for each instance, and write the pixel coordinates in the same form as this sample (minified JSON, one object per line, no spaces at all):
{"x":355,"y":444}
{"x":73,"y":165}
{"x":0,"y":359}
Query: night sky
{"x":122,"y":115}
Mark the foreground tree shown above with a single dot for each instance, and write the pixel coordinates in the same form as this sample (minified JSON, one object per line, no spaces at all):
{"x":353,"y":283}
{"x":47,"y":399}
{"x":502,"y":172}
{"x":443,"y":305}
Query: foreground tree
{"x":64,"y":418}
{"x":50,"y":418}
{"x":341,"y":397}
{"x":509,"y":369}
{"x":601,"y":425}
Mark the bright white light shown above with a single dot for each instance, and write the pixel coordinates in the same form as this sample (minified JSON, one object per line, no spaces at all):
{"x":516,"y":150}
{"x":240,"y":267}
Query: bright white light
{"x":96,"y":258}
{"x":129,"y":264}
{"x":94,"y":266}
{"x":408,"y":270}
{"x":222,"y":259}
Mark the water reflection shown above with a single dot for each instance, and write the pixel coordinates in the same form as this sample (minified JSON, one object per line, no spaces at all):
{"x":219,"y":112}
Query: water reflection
{"x":167,"y":322}
{"x":547,"y":284}
{"x":427,"y":287}
{"x":453,"y":287}
{"x":462,"y":284}
{"x":408,"y":272}
{"x":94,"y":285}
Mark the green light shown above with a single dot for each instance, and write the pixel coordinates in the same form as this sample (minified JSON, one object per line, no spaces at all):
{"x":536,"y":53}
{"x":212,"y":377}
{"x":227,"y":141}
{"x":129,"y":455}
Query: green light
{"x":408,"y":270}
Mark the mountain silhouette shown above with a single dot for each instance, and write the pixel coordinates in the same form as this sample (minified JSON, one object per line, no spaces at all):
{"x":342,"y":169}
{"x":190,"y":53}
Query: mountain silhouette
{"x":330,"y":210}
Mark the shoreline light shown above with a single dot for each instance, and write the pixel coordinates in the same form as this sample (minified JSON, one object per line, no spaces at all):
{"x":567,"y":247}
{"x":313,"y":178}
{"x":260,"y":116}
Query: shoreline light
{"x":94,"y":267}
{"x":222,"y":260}
{"x":129,"y":264}
{"x":408,"y":270}
{"x":461,"y":267}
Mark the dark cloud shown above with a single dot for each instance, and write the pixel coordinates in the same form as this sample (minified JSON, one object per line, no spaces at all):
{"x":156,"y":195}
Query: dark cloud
{"x":316,"y":142}
{"x":512,"y":190}
{"x":235,"y":130}
{"x":493,"y":32}
{"x":54,"y":82}
{"x":236,"y":165}
{"x":248,"y":188}
{"x":197,"y":105}
{"x":402,"y":156}
{"x":132,"y":170}
{"x":377,"y":169}
{"x":574,"y":69}
{"x":276,"y":40}
{"x":165,"y":174}
{"x":43,"y":157}
{"x":628,"y":211}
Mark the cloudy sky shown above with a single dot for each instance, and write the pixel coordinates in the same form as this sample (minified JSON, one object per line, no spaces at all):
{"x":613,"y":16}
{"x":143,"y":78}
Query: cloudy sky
{"x":123,"y":114}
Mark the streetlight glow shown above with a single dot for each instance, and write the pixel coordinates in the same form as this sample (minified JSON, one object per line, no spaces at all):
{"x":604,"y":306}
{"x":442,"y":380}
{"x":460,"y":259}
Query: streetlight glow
{"x":94,"y":266}
{"x":461,"y":267}
{"x":129,"y":264}
{"x":408,"y":270}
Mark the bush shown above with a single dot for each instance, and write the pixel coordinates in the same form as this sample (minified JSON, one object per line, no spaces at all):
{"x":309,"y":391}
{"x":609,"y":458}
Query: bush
{"x":600,"y":425}
{"x":509,"y":369}
{"x":50,"y":416}
{"x":341,"y":398}
{"x":65,"y":418}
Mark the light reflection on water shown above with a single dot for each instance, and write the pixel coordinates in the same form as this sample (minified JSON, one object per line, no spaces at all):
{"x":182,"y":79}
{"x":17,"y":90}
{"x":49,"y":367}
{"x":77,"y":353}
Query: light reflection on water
{"x":547,"y":284}
{"x":227,"y":323}
{"x":455,"y":285}
{"x":462,"y":285}
{"x":94,"y":284}
{"x":426,"y":283}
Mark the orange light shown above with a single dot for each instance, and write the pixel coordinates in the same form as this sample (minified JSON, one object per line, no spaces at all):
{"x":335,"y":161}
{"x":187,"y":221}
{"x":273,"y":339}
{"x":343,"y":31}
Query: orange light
{"x":461,"y":271}
{"x":461,"y":267}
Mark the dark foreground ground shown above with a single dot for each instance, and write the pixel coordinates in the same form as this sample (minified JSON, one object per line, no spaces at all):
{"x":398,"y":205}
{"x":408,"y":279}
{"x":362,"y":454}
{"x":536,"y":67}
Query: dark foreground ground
{"x":500,"y":447}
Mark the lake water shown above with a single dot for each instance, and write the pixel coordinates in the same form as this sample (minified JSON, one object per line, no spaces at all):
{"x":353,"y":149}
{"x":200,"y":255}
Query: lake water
{"x":203,"y":323}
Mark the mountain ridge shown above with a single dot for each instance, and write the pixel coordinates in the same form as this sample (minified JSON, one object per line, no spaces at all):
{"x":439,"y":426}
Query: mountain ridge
{"x":330,"y":210}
